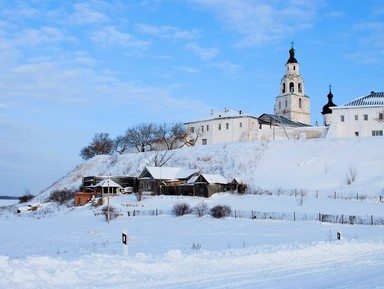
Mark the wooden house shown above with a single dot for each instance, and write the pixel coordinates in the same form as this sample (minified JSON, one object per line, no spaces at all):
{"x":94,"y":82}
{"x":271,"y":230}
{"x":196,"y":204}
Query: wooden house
{"x":152,"y":180}
{"x":118,"y":185}
{"x":205,"y":185}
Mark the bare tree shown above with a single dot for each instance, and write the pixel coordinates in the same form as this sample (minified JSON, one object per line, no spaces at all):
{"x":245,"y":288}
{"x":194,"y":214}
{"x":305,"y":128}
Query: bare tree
{"x":172,"y":136}
{"x":142,"y":136}
{"x":121,"y":143}
{"x":101,"y":144}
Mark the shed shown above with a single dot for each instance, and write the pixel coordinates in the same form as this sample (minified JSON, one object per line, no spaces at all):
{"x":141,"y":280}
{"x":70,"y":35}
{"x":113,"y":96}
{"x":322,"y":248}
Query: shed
{"x":205,"y":185}
{"x":152,"y":179}
{"x":82,"y":198}
{"x":106,"y":186}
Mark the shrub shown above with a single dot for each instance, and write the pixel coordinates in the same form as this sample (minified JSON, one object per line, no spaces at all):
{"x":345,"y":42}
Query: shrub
{"x":61,"y":196}
{"x":181,"y":209}
{"x":201,"y":209}
{"x":113,"y":213}
{"x":221,"y":211}
{"x":26,"y":198}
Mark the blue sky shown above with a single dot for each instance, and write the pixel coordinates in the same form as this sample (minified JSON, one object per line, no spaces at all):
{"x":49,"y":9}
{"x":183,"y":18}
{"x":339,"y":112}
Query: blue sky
{"x":70,"y":69}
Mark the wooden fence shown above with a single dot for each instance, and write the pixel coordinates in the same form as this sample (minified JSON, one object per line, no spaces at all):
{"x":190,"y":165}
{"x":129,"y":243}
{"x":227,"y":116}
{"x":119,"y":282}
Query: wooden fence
{"x":294,"y":216}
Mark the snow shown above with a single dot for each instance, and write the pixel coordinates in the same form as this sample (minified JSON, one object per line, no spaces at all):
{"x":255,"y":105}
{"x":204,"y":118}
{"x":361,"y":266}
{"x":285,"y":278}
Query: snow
{"x":74,"y":247}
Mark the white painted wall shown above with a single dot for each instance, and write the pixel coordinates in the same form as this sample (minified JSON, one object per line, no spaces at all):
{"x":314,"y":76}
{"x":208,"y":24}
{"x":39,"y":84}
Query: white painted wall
{"x":350,"y":121}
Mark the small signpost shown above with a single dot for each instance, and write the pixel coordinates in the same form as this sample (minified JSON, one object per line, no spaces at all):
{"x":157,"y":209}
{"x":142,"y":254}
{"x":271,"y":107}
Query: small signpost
{"x":124,"y":239}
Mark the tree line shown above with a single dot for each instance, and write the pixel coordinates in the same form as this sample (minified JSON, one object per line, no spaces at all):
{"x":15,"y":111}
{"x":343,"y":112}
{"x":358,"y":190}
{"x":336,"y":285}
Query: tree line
{"x":142,"y":137}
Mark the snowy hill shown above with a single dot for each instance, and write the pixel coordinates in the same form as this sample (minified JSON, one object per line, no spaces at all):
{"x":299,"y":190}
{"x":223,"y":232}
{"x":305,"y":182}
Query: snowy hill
{"x":74,"y":247}
{"x":279,"y":166}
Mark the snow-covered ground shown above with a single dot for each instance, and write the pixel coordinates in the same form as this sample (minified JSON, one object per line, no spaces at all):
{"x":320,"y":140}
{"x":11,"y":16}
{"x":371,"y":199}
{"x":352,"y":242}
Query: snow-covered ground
{"x":60,"y":247}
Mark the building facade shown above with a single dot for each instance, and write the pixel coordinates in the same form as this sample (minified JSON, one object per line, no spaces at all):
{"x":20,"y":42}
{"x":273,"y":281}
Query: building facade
{"x":363,"y":116}
{"x":226,"y":126}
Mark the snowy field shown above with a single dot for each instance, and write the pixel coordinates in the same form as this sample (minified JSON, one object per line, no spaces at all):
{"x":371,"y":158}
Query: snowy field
{"x":60,"y":247}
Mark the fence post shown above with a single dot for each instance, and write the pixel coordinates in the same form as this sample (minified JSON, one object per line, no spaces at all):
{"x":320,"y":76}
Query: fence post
{"x":157,"y":213}
{"x":317,"y":194}
{"x":294,"y":216}
{"x":134,"y":212}
{"x":252,"y":214}
{"x":357,"y":196}
{"x":320,"y":217}
{"x":235,"y":214}
{"x":371,"y":220}
{"x":335,"y":194}
{"x":342,"y":219}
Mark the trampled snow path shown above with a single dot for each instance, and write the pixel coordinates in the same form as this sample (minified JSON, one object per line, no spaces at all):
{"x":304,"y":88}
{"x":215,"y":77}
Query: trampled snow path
{"x":340,"y":264}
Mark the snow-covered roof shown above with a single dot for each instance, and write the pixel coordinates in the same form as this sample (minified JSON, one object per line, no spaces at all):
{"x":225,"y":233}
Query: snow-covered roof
{"x":210,"y":178}
{"x":372,"y":99}
{"x":107,"y":182}
{"x":227,"y":113}
{"x":170,"y":173}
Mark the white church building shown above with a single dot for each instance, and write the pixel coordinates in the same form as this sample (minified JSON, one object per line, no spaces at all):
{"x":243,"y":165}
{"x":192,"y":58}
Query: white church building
{"x":361,"y":117}
{"x":291,"y":118}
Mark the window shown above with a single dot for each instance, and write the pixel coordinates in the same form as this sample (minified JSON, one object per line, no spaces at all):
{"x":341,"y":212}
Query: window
{"x":219,"y":126}
{"x":294,"y":67}
{"x":204,"y":141}
{"x":286,"y":103}
{"x":241,"y":124}
{"x":207,"y":127}
{"x":356,"y":117}
{"x":202,"y":128}
{"x":299,"y":102}
{"x":356,"y":133}
{"x":227,"y":125}
{"x":192,"y":142}
{"x":342,"y":118}
{"x":300,"y":89}
{"x":192,"y":129}
{"x":283,"y":89}
{"x":291,"y":87}
{"x":377,"y":133}
{"x":365,"y":116}
{"x":381,"y":116}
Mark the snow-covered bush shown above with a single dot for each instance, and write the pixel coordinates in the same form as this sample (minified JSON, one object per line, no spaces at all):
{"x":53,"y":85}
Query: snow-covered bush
{"x":201,"y":209}
{"x":181,"y":209}
{"x":61,"y":197}
{"x":221,"y":211}
{"x":26,"y":198}
{"x":113,"y":213}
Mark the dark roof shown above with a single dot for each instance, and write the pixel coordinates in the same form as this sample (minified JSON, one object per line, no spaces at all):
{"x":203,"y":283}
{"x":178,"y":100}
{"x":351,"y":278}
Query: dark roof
{"x":275,"y":119}
{"x":327,"y":108}
{"x":292,"y":58}
{"x":372,"y":99}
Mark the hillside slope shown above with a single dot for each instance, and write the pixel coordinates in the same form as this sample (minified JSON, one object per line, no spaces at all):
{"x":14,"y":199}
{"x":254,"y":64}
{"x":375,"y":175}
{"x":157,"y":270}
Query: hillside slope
{"x":279,"y":166}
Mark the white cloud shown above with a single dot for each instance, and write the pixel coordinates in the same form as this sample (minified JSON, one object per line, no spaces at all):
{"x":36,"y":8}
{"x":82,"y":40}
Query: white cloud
{"x":110,"y":36}
{"x":263,"y":21}
{"x":167,"y":32}
{"x":204,"y":53}
{"x":85,"y":14}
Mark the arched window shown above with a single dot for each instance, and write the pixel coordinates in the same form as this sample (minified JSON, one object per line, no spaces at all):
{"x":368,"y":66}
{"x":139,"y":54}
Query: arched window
{"x":299,"y":87}
{"x":291,"y":87}
{"x":294,"y":67}
{"x":300,"y":103}
{"x":283,"y":89}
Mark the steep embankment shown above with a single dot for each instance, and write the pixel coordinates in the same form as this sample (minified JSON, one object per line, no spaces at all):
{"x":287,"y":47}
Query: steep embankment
{"x":321,"y":164}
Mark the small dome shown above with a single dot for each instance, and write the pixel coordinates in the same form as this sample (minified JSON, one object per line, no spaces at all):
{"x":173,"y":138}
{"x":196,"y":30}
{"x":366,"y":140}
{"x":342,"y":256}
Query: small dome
{"x":292,"y":58}
{"x":327,"y":107}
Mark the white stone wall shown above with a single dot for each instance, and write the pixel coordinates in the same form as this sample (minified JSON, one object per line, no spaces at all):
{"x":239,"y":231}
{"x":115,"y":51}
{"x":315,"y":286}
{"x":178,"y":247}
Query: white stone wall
{"x":223,"y":130}
{"x":355,"y":121}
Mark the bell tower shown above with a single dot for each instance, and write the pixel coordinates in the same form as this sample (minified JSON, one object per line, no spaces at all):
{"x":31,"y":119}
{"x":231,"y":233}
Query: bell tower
{"x":292,"y":103}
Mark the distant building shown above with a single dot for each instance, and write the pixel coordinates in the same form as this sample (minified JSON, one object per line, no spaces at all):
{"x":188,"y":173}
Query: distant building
{"x":360,"y":117}
{"x":226,"y":126}
{"x":292,"y":103}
